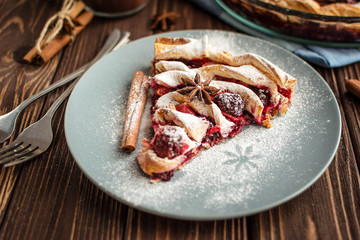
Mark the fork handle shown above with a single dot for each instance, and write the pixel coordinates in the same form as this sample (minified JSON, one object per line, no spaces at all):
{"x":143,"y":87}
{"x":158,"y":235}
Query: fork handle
{"x":110,"y":44}
{"x":52,"y":87}
{"x":68,"y":78}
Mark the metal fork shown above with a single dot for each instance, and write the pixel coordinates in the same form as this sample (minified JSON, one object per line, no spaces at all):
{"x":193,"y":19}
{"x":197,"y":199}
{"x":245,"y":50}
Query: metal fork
{"x":36,"y":138}
{"x":8,"y":120}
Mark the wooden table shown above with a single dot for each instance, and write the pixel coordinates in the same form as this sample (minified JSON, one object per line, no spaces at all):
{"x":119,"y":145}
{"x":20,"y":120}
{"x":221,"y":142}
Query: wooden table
{"x":50,"y":198}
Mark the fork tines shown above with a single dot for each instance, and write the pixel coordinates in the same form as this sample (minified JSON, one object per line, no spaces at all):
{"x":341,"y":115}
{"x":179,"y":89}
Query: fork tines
{"x":16,"y":150}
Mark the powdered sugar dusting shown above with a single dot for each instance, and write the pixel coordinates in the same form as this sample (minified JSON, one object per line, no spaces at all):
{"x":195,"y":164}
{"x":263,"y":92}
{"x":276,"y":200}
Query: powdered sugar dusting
{"x":230,"y":173}
{"x":238,"y":175}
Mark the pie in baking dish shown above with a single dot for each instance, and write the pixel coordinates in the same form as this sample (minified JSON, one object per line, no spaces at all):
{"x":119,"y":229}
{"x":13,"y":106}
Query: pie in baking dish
{"x":202,"y":96}
{"x":345,"y":8}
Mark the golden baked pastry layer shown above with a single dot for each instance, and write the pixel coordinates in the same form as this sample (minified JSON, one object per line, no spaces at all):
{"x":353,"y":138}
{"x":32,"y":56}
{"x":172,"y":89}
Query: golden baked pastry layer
{"x":242,"y":89}
{"x":311,"y":6}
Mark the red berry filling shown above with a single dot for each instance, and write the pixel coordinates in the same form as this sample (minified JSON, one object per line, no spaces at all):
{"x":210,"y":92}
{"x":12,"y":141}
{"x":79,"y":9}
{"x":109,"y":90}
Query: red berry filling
{"x":166,"y":176}
{"x":263,"y":93}
{"x":160,"y":90}
{"x":167,"y":145}
{"x":230,"y":103}
{"x":232,"y":106}
{"x":193,"y":63}
{"x":285,"y":92}
{"x":185,"y":109}
{"x":225,"y":79}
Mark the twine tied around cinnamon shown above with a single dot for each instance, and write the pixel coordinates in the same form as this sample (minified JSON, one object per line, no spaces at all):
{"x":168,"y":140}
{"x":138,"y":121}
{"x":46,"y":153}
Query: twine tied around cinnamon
{"x":63,"y":20}
{"x":70,"y":21}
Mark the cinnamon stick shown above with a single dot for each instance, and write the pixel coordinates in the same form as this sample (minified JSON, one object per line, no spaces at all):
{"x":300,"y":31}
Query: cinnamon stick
{"x":134,"y":110}
{"x":48,"y":51}
{"x":353,"y":86}
{"x":78,"y":8}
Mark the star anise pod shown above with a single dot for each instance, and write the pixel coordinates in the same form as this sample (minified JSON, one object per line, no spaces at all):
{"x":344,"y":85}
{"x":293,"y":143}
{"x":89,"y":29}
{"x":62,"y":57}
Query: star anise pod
{"x":194,"y":87}
{"x":164,"y":20}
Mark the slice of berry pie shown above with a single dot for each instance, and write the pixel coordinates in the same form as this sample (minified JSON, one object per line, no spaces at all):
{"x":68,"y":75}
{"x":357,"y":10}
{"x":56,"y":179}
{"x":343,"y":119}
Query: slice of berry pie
{"x":202,"y":96}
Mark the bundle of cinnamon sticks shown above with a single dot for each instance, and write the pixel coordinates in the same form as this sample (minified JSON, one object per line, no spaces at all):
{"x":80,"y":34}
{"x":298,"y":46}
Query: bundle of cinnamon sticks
{"x":79,"y":17}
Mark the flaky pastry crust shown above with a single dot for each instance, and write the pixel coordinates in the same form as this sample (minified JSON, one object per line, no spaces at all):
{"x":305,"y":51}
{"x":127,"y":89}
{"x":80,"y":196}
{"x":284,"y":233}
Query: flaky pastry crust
{"x":311,"y":6}
{"x":228,"y":73}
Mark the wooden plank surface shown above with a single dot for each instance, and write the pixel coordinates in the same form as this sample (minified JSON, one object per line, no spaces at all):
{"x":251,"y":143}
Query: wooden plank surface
{"x":50,"y":198}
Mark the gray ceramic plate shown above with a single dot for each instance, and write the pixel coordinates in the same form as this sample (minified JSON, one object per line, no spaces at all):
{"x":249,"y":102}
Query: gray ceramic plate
{"x":258,"y":169}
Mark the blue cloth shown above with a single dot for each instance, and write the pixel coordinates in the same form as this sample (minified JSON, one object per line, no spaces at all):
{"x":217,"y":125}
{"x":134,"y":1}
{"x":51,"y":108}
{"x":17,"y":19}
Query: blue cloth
{"x":328,"y":57}
{"x":321,"y":56}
